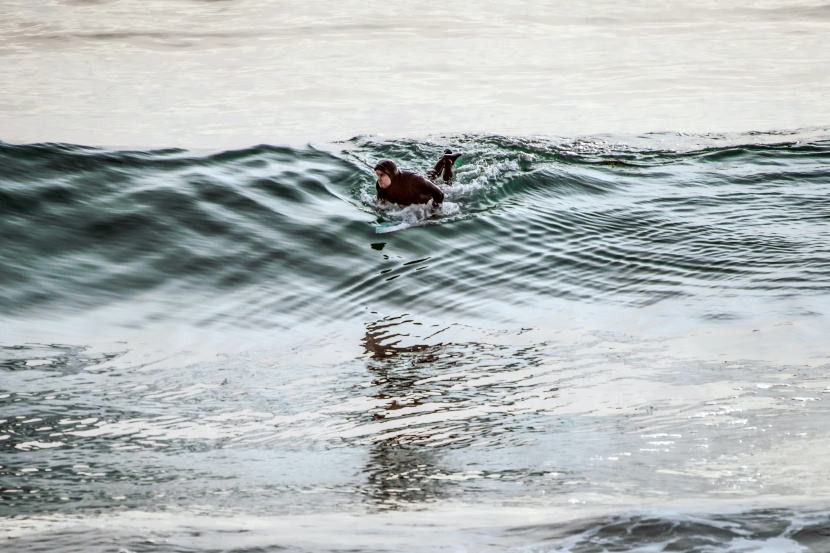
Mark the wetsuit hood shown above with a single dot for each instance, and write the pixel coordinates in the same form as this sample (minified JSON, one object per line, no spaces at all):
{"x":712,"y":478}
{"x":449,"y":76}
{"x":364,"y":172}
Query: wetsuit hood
{"x":387,"y":166}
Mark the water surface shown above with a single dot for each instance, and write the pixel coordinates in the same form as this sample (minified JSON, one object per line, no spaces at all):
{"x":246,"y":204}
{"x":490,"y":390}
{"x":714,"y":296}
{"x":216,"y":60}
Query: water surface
{"x":593,"y":344}
{"x":230,"y":74}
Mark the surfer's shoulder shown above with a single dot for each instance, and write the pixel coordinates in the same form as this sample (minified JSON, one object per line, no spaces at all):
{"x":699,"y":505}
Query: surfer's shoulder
{"x":412,"y":176}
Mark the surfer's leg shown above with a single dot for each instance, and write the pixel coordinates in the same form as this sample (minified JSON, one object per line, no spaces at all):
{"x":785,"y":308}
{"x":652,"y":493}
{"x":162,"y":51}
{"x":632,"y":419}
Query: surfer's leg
{"x":437,"y":170}
{"x":448,"y":172}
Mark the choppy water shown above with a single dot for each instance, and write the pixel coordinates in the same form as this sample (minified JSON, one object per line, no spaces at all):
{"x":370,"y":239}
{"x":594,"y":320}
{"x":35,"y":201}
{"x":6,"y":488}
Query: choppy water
{"x":608,"y":344}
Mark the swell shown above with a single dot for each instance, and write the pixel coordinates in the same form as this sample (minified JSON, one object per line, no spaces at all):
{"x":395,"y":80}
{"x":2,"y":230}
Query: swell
{"x":84,"y":226}
{"x":270,"y":235}
{"x":541,"y":221}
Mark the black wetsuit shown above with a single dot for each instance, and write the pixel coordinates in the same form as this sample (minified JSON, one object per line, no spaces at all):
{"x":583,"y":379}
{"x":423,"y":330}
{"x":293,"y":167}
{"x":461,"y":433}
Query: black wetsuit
{"x":444,"y":166}
{"x":407,"y":187}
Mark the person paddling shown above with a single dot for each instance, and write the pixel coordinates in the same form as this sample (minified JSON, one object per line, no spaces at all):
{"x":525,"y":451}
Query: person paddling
{"x":404,"y":187}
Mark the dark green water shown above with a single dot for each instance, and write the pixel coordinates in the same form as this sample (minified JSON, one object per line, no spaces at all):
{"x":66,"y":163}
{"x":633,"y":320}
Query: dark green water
{"x":294,"y":234}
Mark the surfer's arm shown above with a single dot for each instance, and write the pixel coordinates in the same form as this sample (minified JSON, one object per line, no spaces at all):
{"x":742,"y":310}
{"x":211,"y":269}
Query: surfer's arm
{"x":436,"y":193}
{"x":438,"y":197}
{"x":380,"y":193}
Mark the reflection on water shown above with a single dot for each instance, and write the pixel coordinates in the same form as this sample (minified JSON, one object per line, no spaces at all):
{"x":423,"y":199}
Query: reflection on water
{"x":418,"y":416}
{"x":382,"y":340}
{"x":421,"y":413}
{"x":440,"y":390}
{"x":400,"y":473}
{"x":400,"y":468}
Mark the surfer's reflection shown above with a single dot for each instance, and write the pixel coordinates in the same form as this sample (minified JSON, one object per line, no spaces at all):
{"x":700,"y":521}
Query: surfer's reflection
{"x":403,"y":465}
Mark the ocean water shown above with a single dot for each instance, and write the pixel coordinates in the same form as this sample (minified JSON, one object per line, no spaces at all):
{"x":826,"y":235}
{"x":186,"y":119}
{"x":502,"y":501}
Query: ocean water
{"x":221,"y":74}
{"x":612,"y":336}
{"x":591,"y":347}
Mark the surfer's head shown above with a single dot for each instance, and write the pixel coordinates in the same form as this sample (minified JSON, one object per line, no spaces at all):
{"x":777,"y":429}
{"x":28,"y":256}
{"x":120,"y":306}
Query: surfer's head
{"x":385,"y":170}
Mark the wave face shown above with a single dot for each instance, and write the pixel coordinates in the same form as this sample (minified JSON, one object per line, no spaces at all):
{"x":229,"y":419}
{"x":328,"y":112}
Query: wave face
{"x":272,"y":236}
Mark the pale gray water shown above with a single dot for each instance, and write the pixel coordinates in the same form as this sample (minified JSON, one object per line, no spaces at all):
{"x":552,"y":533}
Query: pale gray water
{"x":234,"y":73}
{"x":412,"y":434}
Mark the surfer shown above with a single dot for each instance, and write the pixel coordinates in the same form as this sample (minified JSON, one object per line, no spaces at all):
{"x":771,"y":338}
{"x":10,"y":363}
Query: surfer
{"x":444,"y":166}
{"x":404,"y":187}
